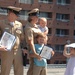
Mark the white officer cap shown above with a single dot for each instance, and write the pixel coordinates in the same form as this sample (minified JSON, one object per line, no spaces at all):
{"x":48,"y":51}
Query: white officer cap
{"x":34,"y":12}
{"x":17,"y":9}
{"x":72,"y":45}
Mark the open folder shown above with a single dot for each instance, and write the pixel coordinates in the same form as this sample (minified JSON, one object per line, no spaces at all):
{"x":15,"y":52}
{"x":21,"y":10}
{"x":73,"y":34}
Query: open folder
{"x":8,"y":40}
{"x":46,"y":52}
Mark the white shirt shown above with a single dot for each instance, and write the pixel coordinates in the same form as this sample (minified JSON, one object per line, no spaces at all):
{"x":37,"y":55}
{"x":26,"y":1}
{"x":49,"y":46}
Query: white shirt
{"x":43,"y":29}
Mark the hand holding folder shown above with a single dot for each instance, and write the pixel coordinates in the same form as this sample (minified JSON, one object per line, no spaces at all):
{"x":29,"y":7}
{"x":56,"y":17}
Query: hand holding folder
{"x":46,"y":52}
{"x":8,"y":40}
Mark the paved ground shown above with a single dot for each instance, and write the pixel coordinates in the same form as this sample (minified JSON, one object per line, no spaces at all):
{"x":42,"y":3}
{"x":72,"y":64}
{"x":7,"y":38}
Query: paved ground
{"x":51,"y":70}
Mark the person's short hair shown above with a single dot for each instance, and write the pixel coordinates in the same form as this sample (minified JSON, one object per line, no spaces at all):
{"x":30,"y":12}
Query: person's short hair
{"x":29,"y":19}
{"x":40,"y":35}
